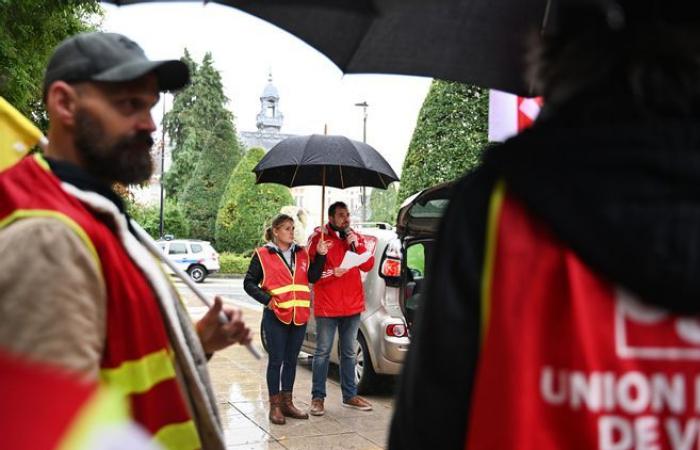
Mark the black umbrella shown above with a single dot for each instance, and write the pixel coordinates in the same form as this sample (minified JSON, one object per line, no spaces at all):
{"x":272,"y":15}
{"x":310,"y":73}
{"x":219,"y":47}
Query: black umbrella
{"x":482,"y":42}
{"x":322,"y":160}
{"x":473,"y":41}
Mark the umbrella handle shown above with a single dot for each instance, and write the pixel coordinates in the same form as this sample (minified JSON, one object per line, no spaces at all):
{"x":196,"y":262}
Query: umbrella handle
{"x":323,"y":200}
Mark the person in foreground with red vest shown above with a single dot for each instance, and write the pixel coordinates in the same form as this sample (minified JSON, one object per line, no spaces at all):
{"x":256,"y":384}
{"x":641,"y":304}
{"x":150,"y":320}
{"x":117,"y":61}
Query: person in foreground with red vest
{"x":562,"y":311}
{"x":46,"y":407}
{"x":77,"y":288}
{"x":339,"y":298}
{"x":278,"y":277}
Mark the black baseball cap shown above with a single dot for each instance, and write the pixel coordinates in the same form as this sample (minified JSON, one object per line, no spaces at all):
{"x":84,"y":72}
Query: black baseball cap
{"x":110,"y":57}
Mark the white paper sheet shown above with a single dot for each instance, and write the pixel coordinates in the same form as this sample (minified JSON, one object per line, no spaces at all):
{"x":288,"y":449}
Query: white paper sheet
{"x":352,"y":259}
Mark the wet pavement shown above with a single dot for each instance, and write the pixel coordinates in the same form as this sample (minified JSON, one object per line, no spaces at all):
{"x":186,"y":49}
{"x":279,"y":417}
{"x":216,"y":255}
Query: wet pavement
{"x":240,"y":388}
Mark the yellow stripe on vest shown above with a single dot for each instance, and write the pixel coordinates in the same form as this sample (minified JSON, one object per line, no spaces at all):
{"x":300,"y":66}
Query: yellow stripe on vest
{"x":104,"y":411}
{"x":291,"y":303}
{"x":178,"y":436}
{"x":495,"y":205}
{"x":140,"y":375}
{"x":290,"y":288}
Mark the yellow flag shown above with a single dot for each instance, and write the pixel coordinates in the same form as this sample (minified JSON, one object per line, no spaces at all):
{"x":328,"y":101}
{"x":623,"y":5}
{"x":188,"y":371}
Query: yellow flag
{"x":17,"y":135}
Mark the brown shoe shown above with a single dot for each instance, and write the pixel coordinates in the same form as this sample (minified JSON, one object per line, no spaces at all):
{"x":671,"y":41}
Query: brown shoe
{"x":276,"y":415}
{"x":317,"y":407}
{"x":358,"y":402}
{"x":288,"y":408}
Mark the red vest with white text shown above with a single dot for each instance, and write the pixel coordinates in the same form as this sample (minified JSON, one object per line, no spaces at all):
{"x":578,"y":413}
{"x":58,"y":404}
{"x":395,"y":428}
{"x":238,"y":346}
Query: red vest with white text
{"x":291,"y":296}
{"x":137,"y":358}
{"x":570,"y":361}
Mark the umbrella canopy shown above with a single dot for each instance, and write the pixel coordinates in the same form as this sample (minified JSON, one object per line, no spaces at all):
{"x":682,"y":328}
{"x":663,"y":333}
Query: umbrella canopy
{"x":482,"y":42}
{"x":322,"y":160}
{"x":473,"y":41}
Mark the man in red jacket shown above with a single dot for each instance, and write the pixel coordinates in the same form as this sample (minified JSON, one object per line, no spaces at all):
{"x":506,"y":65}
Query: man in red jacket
{"x":337,"y":303}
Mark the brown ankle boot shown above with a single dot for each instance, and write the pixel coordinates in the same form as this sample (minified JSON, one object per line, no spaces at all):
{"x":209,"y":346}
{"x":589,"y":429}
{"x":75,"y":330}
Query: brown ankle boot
{"x":288,"y":408}
{"x":276,"y":415}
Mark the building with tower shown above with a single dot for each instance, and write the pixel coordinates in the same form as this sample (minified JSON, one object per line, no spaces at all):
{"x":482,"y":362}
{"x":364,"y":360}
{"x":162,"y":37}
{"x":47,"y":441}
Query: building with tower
{"x":269,"y":123}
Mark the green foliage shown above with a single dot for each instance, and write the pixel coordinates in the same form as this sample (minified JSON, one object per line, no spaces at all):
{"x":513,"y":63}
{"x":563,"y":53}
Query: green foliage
{"x":149,"y":218}
{"x":382,"y":204}
{"x":206,"y":148}
{"x":450,"y":135}
{"x":246,"y":207}
{"x":415,"y":257}
{"x":233,"y":263}
{"x":29,"y":31}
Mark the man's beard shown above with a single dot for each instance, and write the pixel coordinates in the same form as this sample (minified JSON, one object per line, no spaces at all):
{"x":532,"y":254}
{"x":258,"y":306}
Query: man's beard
{"x":126,"y":160}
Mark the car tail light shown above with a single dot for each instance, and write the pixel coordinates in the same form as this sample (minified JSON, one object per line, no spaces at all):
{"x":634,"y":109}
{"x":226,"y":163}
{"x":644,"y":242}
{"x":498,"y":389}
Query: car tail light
{"x":396,"y":330}
{"x":391,"y":267}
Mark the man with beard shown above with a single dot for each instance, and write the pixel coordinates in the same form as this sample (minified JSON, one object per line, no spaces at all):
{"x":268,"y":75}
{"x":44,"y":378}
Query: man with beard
{"x":77,"y":288}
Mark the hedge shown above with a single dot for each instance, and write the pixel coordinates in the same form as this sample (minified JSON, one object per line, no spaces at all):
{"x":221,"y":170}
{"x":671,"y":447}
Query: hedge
{"x":234,"y":263}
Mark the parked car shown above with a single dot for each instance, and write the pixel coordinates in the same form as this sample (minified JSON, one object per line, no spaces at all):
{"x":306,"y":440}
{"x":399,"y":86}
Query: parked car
{"x":197,"y":258}
{"x":392,"y":288}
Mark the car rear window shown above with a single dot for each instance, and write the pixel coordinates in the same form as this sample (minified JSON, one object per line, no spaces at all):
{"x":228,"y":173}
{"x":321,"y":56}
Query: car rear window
{"x":431,"y":209}
{"x":196,"y":248}
{"x":177,"y":248}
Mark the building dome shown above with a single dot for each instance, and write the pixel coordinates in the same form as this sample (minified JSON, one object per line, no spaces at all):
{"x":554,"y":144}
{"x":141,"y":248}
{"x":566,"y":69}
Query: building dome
{"x":270,"y":90}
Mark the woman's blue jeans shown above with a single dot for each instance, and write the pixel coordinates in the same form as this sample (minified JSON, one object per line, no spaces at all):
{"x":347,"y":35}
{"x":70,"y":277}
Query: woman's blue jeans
{"x":283,"y":345}
{"x":347,"y":335}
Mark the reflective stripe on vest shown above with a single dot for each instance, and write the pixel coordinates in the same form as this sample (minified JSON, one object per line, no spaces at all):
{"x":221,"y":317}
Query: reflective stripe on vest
{"x":290,"y":288}
{"x":138,"y":376}
{"x":178,"y":436}
{"x":292,"y":303}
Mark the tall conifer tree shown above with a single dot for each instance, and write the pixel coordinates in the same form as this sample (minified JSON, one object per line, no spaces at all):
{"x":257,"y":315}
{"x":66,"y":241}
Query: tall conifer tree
{"x":451,"y":132}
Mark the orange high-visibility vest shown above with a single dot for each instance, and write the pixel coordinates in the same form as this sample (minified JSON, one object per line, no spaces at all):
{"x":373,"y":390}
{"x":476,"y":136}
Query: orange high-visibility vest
{"x":291,"y":296}
{"x":569,"y":360}
{"x":137,"y":358}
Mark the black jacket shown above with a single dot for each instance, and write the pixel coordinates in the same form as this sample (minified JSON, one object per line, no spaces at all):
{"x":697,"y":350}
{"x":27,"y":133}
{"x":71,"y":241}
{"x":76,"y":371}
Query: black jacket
{"x":621,"y":188}
{"x":251,"y":282}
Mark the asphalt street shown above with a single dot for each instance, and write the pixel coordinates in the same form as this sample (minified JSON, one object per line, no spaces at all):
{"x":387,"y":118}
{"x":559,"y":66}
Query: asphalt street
{"x":229,"y":288}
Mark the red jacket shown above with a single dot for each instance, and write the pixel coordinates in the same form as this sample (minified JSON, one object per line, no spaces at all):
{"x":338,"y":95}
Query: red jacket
{"x":340,"y":296}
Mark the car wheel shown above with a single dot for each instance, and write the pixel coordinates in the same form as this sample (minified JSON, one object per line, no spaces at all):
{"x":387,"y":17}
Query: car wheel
{"x":197,"y":273}
{"x":263,"y":337}
{"x":365,"y":376}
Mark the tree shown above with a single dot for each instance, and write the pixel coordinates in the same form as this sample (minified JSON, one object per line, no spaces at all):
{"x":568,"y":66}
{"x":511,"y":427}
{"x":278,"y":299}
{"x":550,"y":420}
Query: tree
{"x":450,"y":134}
{"x":247,"y":207}
{"x":206,"y":149}
{"x":29,"y":31}
{"x":382,"y":204}
{"x":148,"y":217}
{"x":181,"y":125}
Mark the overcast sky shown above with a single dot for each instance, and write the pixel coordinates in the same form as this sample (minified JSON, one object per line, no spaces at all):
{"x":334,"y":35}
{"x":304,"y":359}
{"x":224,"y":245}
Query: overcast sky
{"x":313,"y":91}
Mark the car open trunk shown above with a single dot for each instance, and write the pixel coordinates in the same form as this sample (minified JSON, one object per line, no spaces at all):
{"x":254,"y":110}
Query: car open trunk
{"x":417,"y":226}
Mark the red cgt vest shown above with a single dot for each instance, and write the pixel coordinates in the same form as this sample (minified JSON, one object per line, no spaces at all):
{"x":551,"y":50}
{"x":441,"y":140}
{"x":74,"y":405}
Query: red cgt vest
{"x":569,"y":361}
{"x":137,"y":358}
{"x":291,"y":300}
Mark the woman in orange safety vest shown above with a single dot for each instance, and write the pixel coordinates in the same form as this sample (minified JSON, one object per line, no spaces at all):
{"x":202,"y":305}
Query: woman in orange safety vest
{"x":278,"y":277}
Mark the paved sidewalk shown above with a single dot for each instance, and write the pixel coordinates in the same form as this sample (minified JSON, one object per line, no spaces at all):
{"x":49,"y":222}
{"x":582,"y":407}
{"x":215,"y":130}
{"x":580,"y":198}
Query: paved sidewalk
{"x":240,"y":388}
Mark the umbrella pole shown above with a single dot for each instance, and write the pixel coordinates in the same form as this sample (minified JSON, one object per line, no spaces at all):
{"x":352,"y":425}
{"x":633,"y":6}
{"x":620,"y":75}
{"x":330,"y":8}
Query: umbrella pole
{"x":323,"y":202}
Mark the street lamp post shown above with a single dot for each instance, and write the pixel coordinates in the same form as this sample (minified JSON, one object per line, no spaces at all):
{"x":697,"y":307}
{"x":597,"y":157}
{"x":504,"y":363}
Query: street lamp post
{"x":363,"y":198}
{"x":162,"y":169}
